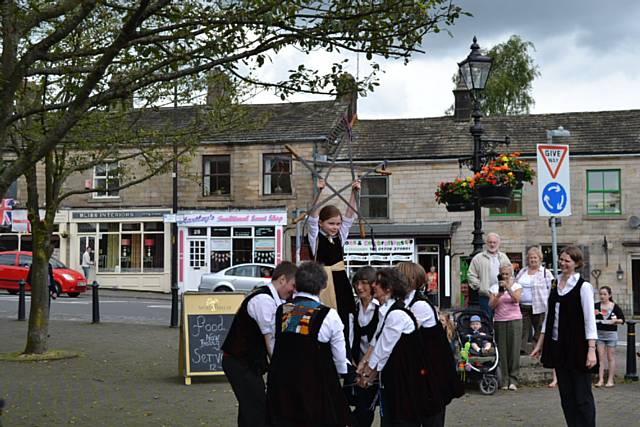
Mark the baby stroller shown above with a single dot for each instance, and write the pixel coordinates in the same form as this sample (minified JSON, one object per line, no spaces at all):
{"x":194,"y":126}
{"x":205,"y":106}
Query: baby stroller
{"x":475,"y":367}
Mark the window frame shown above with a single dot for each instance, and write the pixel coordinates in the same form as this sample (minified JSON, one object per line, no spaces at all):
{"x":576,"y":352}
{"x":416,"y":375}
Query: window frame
{"x":375,"y":196}
{"x":97,"y":193}
{"x":603,"y":192}
{"x":516,"y":191}
{"x":216,"y":175}
{"x":267,"y":174}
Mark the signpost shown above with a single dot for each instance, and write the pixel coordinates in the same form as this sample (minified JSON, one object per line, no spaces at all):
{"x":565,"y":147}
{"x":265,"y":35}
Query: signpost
{"x":554,"y":185}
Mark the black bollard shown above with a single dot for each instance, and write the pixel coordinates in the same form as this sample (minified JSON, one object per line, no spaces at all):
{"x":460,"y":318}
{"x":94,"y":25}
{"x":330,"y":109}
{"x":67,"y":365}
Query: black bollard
{"x":632,"y":371}
{"x":174,"y":305}
{"x":21,"y":301}
{"x":96,"y":303}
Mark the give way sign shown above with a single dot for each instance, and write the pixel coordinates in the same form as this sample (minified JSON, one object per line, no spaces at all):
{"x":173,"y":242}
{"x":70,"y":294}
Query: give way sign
{"x":554,"y":185}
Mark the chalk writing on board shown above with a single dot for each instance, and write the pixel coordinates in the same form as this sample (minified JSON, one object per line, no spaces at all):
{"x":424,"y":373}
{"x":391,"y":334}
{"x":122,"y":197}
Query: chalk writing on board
{"x":207,"y":332}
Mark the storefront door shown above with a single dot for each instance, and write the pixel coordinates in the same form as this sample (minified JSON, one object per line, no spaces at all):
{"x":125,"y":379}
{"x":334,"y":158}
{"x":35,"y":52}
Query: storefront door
{"x":196,"y":263}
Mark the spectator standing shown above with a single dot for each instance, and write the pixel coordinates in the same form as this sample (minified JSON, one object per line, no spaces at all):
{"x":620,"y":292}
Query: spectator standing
{"x":87,"y":262}
{"x":536,"y":283}
{"x":505,"y":300}
{"x":484,"y":270}
{"x":608,"y":317}
{"x":432,"y":285}
{"x":568,"y":339}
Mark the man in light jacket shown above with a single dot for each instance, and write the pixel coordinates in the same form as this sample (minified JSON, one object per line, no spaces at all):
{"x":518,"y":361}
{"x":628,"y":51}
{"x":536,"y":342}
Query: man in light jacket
{"x":484,"y":269}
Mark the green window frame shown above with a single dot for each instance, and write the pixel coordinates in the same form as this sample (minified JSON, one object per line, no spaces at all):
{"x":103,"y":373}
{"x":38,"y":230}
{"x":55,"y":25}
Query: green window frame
{"x":604,"y":192}
{"x":513,"y":209}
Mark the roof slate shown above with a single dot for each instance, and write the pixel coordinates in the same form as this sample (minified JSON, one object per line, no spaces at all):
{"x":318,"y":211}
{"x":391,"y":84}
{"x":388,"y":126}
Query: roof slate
{"x":603,"y":132}
{"x":262,"y":123}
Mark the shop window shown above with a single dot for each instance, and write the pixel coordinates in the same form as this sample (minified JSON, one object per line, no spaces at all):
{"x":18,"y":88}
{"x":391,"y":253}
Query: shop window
{"x":8,"y":242}
{"x":108,"y":253}
{"x":106,"y":180}
{"x":153,"y":255}
{"x":603,"y":192}
{"x":513,"y":209}
{"x":374,"y":197}
{"x":242,"y":249}
{"x":216,"y":175}
{"x":276,"y":174}
{"x":130,"y":253}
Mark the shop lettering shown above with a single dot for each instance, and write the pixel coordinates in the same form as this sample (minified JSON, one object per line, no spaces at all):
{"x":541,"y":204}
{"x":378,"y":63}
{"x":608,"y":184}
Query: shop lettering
{"x":208,"y":219}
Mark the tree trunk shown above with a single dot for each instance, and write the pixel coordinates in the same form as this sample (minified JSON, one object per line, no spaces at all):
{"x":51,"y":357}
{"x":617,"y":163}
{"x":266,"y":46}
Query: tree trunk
{"x":37,"y":336}
{"x":38,"y":333}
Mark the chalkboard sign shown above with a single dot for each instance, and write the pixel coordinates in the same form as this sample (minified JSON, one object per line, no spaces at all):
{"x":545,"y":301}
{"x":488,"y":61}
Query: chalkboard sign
{"x":206,"y":320}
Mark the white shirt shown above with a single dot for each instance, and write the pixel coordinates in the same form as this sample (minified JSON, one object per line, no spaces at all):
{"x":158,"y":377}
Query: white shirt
{"x":397,"y":323}
{"x":331,"y":331}
{"x":381,"y":313}
{"x":586,"y":298}
{"x":364,"y":317}
{"x":86,"y":259}
{"x":526,"y":281}
{"x":425,"y":316}
{"x":262,"y":308}
{"x":314,"y":229}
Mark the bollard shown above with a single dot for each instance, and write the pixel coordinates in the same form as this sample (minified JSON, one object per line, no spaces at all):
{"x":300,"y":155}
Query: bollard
{"x":174,"y":305}
{"x":632,"y":371}
{"x":21,"y":300}
{"x":95,"y":303}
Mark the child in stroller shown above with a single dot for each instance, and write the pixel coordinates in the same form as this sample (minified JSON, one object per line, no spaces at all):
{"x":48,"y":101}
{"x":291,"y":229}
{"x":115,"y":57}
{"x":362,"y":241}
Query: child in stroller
{"x":480,"y":342}
{"x":476,"y":355}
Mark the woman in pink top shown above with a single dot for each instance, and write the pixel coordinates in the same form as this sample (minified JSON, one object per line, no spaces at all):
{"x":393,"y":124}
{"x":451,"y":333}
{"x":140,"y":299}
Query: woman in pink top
{"x":507,"y":320}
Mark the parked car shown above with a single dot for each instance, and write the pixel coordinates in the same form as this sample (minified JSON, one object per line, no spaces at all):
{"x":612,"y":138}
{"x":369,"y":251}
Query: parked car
{"x":14,"y":266}
{"x":238,"y":278}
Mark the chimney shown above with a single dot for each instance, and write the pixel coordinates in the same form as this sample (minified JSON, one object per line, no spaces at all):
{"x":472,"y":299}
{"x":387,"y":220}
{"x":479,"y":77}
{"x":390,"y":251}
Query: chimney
{"x":347,"y":91}
{"x":219,"y":87}
{"x":462,"y":102}
{"x":124,"y":102}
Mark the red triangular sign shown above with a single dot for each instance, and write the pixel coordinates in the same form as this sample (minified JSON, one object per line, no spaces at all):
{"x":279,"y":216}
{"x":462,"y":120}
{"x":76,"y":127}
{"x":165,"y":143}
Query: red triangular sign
{"x":553,"y":156}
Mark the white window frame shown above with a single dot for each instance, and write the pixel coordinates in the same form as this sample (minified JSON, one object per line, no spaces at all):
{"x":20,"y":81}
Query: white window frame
{"x":105,"y":194}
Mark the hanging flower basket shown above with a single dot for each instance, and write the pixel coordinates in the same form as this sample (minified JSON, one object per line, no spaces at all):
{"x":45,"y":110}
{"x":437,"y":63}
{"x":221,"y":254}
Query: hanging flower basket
{"x":522,"y":171}
{"x":457,"y":196}
{"x":457,"y":203}
{"x":494,"y":196}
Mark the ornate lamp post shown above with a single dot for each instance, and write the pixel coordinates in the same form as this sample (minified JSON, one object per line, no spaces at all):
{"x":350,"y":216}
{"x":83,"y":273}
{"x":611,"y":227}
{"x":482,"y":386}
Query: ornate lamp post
{"x":474,"y":72}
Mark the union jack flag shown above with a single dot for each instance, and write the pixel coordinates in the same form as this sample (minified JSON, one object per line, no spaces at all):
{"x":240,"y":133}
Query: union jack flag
{"x":5,"y":210}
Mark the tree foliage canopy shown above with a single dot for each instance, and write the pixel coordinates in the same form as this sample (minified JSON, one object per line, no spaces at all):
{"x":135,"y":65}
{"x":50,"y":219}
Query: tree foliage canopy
{"x":83,"y":55}
{"x":508,"y":90}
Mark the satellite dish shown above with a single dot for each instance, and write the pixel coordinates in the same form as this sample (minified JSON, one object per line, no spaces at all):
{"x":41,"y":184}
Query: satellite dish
{"x":634,"y":222}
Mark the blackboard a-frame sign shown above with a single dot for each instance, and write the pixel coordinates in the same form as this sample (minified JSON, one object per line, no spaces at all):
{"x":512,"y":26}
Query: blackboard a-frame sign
{"x":206,"y":319}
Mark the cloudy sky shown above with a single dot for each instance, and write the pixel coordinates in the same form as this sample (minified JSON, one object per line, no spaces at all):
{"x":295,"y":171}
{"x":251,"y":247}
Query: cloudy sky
{"x":588,"y":53}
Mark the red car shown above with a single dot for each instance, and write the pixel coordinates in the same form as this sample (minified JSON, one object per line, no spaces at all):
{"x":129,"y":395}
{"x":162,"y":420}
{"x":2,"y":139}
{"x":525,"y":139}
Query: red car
{"x":14,"y":266}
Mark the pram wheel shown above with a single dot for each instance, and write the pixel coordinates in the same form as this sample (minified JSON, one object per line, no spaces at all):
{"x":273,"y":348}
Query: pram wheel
{"x":488,"y":384}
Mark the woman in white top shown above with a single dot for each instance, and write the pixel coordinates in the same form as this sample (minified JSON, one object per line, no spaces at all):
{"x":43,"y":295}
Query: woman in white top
{"x":536,"y":282}
{"x":568,"y":339}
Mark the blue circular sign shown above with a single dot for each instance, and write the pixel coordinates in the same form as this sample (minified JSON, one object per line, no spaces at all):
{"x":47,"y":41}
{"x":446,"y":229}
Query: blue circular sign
{"x":554,"y":198}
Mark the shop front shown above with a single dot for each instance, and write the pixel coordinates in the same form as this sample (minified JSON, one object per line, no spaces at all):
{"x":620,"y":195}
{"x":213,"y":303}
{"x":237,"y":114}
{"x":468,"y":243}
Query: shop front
{"x":131,"y":248}
{"x":209,"y":242}
{"x":15,"y":233}
{"x":426,"y":244}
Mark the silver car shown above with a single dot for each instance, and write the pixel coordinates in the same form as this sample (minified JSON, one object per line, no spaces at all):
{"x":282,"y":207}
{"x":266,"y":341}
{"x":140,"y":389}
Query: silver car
{"x":239,"y":278}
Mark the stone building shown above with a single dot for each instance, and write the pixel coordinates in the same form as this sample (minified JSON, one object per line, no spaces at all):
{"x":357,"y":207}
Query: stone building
{"x":604,"y":163}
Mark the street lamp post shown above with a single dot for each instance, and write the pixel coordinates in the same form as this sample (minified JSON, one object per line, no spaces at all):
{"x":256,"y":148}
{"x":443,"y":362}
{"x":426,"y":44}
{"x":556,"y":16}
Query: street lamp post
{"x":474,"y":72}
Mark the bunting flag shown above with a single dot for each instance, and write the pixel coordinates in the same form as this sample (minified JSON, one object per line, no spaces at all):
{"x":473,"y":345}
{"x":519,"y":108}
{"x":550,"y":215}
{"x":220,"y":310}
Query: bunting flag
{"x":20,"y":223}
{"x":6,"y":207}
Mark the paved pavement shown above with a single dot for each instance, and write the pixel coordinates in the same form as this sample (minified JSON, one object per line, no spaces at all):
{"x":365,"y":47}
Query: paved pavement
{"x":129,"y":376}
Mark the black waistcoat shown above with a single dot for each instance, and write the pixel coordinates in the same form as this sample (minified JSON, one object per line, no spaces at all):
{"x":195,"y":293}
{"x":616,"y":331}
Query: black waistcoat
{"x":405,"y":393}
{"x":303,"y":389}
{"x":570,"y":351}
{"x":245,"y":341}
{"x":363,"y":331}
{"x":328,"y":253}
{"x":442,"y":377}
